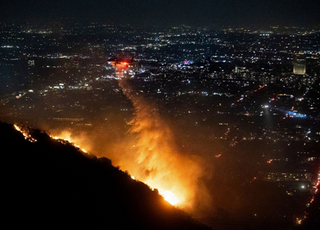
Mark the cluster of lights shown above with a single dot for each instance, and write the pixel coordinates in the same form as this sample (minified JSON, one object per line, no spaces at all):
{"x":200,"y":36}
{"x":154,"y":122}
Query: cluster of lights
{"x":246,"y":95}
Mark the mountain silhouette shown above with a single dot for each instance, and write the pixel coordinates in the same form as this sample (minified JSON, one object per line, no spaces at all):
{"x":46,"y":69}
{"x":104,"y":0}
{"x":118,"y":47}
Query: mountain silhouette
{"x":52,"y":185}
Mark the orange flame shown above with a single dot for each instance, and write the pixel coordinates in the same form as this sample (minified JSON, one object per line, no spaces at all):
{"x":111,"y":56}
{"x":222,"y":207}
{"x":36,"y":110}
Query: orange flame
{"x":76,"y":141}
{"x":25,"y":133}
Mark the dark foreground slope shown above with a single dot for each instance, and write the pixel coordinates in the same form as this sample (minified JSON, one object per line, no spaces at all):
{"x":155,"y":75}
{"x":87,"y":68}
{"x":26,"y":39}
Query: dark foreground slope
{"x":51,"y":185}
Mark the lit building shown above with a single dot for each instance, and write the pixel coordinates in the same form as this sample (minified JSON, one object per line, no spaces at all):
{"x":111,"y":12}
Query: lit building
{"x":299,"y":66}
{"x":31,"y":63}
{"x":286,"y":176}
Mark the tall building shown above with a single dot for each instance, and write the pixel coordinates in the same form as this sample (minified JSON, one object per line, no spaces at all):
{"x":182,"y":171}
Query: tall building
{"x":299,"y":66}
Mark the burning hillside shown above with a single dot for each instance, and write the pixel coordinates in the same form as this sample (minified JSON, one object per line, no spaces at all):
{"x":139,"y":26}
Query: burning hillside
{"x":50,"y":183}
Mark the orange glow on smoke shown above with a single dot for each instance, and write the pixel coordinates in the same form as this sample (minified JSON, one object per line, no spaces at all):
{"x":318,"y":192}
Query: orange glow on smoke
{"x":153,"y":157}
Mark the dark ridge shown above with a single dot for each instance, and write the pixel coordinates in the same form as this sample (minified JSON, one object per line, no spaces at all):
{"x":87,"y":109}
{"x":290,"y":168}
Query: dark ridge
{"x":53,"y":185}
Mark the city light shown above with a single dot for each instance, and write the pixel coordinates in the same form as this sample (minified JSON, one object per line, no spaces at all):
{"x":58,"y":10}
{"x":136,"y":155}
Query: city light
{"x":210,"y":118}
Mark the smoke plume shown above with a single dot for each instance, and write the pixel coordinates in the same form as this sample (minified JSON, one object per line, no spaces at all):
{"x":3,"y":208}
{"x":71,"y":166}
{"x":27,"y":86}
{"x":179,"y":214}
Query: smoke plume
{"x":154,"y":159}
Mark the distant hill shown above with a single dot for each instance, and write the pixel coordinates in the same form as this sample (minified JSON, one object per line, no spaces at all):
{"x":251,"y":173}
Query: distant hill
{"x":51,"y":185}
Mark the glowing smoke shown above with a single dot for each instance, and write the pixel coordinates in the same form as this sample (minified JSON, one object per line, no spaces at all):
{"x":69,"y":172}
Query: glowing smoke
{"x":154,"y":159}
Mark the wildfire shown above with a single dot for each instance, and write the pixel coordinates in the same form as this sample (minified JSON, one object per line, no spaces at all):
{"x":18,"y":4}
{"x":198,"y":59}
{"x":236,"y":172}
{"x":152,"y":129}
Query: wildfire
{"x":170,"y":197}
{"x":152,"y":157}
{"x":65,"y":137}
{"x":149,"y":152}
{"x":25,"y":133}
{"x":167,"y":195}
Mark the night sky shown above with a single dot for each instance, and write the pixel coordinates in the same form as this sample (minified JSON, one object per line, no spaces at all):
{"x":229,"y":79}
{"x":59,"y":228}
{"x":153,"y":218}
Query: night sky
{"x":169,"y":12}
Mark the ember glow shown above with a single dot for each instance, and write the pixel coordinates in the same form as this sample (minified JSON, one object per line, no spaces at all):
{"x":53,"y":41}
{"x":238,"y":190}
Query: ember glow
{"x":25,"y":133}
{"x":316,"y":188}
